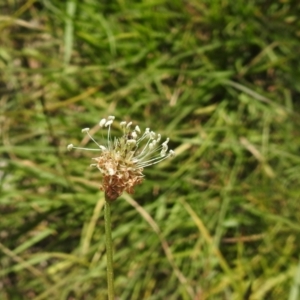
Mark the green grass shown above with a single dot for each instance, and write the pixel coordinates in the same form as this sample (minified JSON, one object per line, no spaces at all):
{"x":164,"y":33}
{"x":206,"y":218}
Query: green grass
{"x":221,"y":79}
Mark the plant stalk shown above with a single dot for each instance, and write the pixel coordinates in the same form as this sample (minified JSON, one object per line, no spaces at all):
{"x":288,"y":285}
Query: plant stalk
{"x":109,"y":251}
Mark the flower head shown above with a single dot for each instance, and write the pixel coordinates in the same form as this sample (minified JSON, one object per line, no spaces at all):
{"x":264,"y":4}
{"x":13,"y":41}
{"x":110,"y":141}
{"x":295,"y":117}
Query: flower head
{"x":122,"y":160}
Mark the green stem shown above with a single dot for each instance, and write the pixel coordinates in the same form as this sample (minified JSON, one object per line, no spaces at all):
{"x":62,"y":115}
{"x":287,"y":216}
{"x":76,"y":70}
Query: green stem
{"x":109,"y":252}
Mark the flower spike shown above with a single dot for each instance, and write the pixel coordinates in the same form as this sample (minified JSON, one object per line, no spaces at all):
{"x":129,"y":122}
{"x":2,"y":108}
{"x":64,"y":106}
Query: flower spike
{"x":122,"y":160}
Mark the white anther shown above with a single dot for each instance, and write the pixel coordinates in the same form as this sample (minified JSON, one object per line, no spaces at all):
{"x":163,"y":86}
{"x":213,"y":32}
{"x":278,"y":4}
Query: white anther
{"x":151,"y":146}
{"x":131,"y":143}
{"x":123,"y":124}
{"x":137,"y":129}
{"x":108,"y":123}
{"x":163,"y":152}
{"x":152,"y":135}
{"x":70,"y":147}
{"x":164,"y":147}
{"x":85,"y":130}
{"x":134,"y":135}
{"x":172,"y":153}
{"x":111,"y":118}
{"x":158,"y":137}
{"x":128,"y":125}
{"x":102,"y":123}
{"x":102,"y":148}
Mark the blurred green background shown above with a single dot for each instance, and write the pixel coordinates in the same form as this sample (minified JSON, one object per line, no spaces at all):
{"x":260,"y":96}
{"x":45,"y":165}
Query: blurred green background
{"x":221,"y":79}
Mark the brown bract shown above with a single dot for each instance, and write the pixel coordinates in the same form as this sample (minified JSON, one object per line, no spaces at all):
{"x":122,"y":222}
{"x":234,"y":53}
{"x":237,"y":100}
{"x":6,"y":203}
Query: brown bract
{"x":118,"y":175}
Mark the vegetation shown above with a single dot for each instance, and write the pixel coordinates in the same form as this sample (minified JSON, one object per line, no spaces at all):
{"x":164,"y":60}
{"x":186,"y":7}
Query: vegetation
{"x":218,"y":221}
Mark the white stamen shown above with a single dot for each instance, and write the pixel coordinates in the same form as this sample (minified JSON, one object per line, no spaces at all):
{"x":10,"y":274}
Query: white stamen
{"x":166,"y":141}
{"x":102,"y":123}
{"x":131,"y":143}
{"x":85,"y":130}
{"x":137,"y":129}
{"x":164,"y":149}
{"x":123,"y":124}
{"x":108,"y":123}
{"x":152,"y":135}
{"x":70,"y":147}
{"x":134,"y":135}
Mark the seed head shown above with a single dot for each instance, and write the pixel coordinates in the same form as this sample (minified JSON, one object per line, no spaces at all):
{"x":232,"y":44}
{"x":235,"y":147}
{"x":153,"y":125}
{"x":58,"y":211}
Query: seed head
{"x":122,"y":160}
